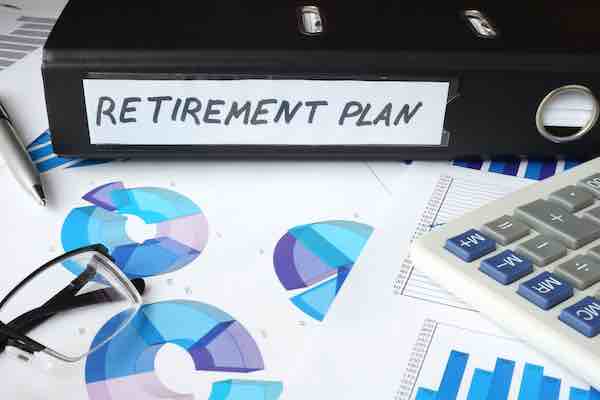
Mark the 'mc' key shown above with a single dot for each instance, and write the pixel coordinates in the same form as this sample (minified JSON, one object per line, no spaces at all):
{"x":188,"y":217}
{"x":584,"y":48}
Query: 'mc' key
{"x":470,"y":245}
{"x":583,"y":316}
{"x":545,"y":290}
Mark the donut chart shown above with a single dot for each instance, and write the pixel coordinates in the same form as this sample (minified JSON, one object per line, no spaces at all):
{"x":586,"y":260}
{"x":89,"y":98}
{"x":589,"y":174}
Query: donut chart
{"x":181,"y":228}
{"x":318,"y":257}
{"x":124,"y":368}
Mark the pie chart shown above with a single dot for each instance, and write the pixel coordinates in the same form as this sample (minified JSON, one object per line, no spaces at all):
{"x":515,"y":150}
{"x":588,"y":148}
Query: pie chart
{"x":181,"y":228}
{"x":312,"y":261}
{"x":124,"y":368}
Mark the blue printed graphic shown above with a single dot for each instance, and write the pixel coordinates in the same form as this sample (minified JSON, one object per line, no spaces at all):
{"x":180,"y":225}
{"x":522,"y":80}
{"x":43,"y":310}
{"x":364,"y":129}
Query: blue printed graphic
{"x":181,"y":228}
{"x":318,"y":257}
{"x":530,"y":169}
{"x":43,"y":156}
{"x":125,"y":367}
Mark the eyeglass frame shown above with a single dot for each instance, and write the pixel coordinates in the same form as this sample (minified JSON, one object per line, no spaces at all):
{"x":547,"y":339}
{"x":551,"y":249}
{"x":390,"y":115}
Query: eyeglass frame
{"x":10,"y":336}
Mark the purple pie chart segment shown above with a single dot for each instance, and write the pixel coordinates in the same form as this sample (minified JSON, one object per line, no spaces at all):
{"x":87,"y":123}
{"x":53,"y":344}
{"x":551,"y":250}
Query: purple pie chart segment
{"x":181,"y":228}
{"x":312,"y":261}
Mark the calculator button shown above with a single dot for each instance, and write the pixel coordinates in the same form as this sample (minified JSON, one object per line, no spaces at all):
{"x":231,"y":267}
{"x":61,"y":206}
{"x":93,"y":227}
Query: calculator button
{"x":542,"y":250}
{"x":545,"y":290}
{"x":580,"y":271}
{"x":505,"y":230}
{"x":595,"y":251}
{"x":572,"y":198}
{"x":470,"y":245}
{"x":593,"y":214}
{"x":553,"y":220}
{"x":583,"y":316}
{"x":506,"y":267}
{"x":591,"y":183}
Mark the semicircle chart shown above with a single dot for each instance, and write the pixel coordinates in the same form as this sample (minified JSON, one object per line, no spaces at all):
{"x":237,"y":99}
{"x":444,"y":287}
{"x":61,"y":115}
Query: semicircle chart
{"x":124,"y":368}
{"x":181,"y":228}
{"x":315,"y":260}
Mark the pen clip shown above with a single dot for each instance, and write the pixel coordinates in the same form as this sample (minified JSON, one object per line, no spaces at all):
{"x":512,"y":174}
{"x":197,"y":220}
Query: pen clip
{"x":3,"y":113}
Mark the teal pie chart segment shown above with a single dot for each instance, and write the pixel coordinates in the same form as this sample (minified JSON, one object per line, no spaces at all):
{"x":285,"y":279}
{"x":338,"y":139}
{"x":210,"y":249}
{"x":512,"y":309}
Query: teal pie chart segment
{"x":181,"y":228}
{"x":124,"y":368}
{"x":312,"y":262}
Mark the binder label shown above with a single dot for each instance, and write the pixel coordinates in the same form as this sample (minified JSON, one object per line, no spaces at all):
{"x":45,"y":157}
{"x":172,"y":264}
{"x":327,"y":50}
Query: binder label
{"x":265,"y":112}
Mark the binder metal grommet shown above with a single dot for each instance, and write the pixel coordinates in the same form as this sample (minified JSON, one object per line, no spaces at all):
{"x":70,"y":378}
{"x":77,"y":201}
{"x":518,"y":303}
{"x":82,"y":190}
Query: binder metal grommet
{"x":587,"y":127}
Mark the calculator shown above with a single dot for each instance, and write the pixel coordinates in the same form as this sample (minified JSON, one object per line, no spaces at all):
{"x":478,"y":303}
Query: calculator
{"x":530,"y":262}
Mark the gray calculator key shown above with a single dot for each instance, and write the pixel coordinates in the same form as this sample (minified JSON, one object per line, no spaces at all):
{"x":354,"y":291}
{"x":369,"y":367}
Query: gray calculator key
{"x":554,"y":221}
{"x":593,"y":214}
{"x":580,"y":271}
{"x":541,"y":250}
{"x":595,"y":251}
{"x":572,"y":198}
{"x":505,"y":230}
{"x":591,"y":183}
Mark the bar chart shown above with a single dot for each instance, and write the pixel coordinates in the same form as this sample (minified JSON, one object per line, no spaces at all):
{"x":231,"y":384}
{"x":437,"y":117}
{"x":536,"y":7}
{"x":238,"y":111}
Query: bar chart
{"x":530,"y":169}
{"x":449,"y":362}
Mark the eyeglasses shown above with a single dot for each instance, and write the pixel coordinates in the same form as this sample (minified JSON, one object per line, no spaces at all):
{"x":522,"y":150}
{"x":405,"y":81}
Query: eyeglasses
{"x":58,"y":306}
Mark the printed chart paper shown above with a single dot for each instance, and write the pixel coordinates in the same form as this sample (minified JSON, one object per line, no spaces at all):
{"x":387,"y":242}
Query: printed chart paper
{"x":239,"y":271}
{"x":415,"y":340}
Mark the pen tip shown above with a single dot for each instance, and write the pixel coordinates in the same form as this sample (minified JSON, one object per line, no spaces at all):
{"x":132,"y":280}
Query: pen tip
{"x":40,"y":195}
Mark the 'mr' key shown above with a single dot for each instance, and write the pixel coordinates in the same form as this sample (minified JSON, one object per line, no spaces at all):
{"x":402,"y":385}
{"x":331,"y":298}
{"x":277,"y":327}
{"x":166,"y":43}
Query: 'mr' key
{"x":470,"y":245}
{"x":545,"y":290}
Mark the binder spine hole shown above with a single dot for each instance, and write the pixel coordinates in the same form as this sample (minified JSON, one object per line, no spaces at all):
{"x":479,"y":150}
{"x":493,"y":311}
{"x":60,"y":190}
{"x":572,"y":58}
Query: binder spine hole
{"x":567,"y":113}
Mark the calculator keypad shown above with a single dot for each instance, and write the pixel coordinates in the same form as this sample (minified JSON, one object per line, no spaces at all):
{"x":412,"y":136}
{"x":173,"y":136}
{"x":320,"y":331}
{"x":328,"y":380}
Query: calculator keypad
{"x":548,"y":233}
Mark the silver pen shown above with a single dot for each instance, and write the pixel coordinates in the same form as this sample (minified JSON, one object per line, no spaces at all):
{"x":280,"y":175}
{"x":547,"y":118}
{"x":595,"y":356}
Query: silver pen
{"x":18,"y":161}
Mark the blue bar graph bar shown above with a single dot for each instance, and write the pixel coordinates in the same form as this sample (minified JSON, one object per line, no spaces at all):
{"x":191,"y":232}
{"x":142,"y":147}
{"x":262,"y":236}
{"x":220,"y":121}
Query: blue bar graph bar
{"x":550,"y":388}
{"x":42,"y":139}
{"x":581,"y":394}
{"x":41,"y":152}
{"x":538,"y":170}
{"x":578,"y":394}
{"x":531,"y":382}
{"x":468,"y":164}
{"x":507,"y":167}
{"x":501,"y":379}
{"x":571,"y":163}
{"x":480,"y":385}
{"x":453,"y":375}
{"x":426,"y":394}
{"x":455,"y":369}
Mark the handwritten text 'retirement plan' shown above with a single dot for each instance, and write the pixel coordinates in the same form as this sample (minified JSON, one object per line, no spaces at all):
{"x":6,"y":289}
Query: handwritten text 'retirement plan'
{"x":126,"y":110}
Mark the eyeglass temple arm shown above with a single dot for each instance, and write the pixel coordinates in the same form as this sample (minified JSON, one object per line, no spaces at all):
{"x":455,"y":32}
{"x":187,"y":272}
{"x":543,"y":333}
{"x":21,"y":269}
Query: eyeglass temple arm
{"x":64,"y":300}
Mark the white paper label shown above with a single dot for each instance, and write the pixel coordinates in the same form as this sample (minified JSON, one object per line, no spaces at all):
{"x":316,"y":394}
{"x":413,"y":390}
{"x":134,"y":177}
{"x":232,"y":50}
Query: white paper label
{"x":265,"y":112}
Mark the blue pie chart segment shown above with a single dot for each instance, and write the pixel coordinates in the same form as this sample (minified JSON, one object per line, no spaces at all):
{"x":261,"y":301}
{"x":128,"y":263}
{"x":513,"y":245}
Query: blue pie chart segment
{"x":246,"y":390}
{"x":124,"y":368}
{"x":314,"y":260}
{"x":181,"y":228}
